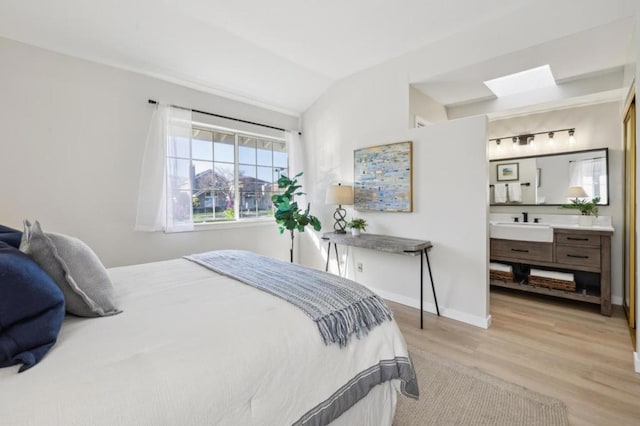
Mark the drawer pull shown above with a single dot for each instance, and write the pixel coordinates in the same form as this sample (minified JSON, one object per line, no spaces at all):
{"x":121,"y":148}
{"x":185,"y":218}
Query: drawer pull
{"x":578,"y":257}
{"x":520,"y":250}
{"x":577,"y":239}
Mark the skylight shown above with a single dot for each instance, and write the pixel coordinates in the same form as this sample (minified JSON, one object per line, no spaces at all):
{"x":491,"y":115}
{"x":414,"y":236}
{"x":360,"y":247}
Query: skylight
{"x":520,"y":82}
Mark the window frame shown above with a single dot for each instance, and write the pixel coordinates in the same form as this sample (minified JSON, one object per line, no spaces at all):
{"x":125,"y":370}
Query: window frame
{"x":237,"y":221}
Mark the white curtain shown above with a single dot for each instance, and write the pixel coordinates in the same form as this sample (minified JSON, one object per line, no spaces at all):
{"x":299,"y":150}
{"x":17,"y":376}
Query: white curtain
{"x":589,"y":174}
{"x":296,"y":162}
{"x":165,"y":195}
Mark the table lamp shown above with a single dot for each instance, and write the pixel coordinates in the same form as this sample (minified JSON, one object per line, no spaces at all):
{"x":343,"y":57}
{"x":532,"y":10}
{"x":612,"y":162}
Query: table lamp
{"x":577,"y":192}
{"x":340,"y":194}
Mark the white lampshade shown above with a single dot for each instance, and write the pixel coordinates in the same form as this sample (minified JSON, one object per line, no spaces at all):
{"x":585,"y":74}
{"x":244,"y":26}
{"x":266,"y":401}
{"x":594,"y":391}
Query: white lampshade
{"x":339,"y":194}
{"x":577,"y":192}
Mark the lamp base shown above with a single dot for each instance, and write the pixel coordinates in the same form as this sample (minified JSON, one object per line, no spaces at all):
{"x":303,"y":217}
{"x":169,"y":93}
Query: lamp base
{"x":341,"y":224}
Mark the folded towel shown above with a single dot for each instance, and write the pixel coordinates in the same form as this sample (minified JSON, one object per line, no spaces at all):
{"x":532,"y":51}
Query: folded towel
{"x":500,"y":193}
{"x":515,"y":193}
{"x":500,"y":267}
{"x":563,"y":276}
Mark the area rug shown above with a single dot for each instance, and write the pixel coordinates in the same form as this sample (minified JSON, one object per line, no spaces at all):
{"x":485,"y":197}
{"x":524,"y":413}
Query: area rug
{"x":453,"y":394}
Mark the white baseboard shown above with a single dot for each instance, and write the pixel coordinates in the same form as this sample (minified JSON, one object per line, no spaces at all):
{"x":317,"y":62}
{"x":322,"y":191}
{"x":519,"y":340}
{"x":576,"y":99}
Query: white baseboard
{"x":616,"y":300}
{"x":431,"y":307}
{"x":466,"y":318}
{"x":636,"y":362}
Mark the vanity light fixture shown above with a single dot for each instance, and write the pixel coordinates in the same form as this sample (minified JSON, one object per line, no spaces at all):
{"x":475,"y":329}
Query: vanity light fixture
{"x":498,"y":147}
{"x":529,"y":138}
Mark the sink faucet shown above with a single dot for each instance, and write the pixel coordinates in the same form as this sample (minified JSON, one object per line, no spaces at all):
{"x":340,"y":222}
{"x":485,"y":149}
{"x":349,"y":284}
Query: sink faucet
{"x":525,"y":217}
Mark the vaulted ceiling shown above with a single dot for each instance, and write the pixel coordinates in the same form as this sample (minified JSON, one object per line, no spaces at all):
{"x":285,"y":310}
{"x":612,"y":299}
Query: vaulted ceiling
{"x":285,"y":53}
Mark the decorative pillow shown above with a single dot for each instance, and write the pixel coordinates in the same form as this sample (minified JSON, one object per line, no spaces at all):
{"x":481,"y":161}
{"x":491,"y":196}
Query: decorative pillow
{"x":76,"y":269}
{"x":31,"y":309}
{"x":10,"y":236}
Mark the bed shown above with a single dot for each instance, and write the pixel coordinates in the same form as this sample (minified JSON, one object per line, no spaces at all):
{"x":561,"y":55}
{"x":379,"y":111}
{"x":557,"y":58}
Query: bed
{"x":195,"y":347}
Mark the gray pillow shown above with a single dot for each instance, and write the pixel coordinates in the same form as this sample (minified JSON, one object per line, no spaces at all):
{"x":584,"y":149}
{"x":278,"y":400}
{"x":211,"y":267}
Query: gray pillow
{"x":74,"y":267}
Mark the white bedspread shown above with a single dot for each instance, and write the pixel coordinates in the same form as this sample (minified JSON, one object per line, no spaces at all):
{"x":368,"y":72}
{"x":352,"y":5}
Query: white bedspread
{"x":191,"y":348}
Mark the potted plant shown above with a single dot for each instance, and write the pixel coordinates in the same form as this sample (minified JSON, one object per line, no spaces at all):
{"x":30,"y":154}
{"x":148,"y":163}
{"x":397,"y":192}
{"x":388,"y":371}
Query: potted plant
{"x":588,"y":209}
{"x":287,"y":214}
{"x":357,"y":224}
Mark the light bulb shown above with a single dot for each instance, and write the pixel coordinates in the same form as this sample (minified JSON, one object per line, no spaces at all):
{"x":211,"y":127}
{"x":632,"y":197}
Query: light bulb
{"x":550,"y":138}
{"x":572,"y":138}
{"x":515,"y":143}
{"x":498,"y":147}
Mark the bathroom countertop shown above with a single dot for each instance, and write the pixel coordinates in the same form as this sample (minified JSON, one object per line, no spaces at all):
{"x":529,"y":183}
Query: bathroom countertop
{"x":607,"y":228}
{"x":602,"y":223}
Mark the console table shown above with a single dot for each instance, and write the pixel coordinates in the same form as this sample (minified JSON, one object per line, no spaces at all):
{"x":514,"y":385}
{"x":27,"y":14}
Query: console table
{"x":388,"y":244}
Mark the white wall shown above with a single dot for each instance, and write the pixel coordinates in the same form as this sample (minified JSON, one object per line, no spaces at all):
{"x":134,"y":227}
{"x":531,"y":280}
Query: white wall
{"x":426,"y":107}
{"x":597,"y":126}
{"x":73,"y":135}
{"x":450,"y":193}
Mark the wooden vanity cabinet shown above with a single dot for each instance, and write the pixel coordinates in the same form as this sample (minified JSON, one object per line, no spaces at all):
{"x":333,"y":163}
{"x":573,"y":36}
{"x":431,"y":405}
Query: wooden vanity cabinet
{"x":533,"y":252}
{"x":571,"y":250}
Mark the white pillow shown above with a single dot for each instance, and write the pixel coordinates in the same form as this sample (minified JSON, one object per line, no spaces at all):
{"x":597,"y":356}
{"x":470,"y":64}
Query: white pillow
{"x":74,"y":267}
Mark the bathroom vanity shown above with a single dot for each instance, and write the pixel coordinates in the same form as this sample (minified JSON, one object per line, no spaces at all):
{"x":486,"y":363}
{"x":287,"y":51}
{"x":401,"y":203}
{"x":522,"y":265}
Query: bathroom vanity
{"x":564,"y":247}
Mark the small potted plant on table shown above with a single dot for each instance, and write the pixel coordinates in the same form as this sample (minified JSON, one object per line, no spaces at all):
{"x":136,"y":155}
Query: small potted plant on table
{"x":357,"y":224}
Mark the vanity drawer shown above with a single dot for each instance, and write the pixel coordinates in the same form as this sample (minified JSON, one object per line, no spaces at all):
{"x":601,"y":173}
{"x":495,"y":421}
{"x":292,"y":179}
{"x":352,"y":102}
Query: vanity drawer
{"x":576,"y":239}
{"x":523,"y":250}
{"x":579,"y":256}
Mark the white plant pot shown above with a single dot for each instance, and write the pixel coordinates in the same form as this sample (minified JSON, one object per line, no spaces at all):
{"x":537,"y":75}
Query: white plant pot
{"x":355,"y":232}
{"x":585,"y":220}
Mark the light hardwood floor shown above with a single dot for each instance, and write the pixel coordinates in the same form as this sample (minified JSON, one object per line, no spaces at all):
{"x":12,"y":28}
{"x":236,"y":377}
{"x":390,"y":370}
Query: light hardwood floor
{"x":559,"y":348}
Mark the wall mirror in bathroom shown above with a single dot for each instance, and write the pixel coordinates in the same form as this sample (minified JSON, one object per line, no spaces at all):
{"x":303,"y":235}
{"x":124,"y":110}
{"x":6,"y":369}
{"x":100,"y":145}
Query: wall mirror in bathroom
{"x":545,"y":179}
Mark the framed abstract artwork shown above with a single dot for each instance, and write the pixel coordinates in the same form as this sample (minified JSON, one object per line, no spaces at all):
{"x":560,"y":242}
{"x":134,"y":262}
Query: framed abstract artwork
{"x":382,"y":178}
{"x":507,"y":172}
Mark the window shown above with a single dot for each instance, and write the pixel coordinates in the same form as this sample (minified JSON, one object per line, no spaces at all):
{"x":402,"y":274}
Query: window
{"x":233,"y":175}
{"x":197,"y":172}
{"x":591,"y":175}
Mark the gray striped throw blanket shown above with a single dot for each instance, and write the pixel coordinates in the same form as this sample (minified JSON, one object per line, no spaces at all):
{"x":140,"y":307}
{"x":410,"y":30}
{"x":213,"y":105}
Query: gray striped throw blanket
{"x":340,"y":307}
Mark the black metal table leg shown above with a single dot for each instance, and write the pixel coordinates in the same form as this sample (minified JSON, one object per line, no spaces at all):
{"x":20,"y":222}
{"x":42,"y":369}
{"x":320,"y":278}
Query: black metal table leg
{"x":326,"y":268}
{"x":421,"y":281}
{"x":433,"y":288}
{"x":335,"y":246}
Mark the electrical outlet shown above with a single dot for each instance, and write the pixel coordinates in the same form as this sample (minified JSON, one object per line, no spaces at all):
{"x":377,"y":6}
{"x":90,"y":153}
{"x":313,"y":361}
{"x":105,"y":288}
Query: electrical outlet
{"x":359,"y":267}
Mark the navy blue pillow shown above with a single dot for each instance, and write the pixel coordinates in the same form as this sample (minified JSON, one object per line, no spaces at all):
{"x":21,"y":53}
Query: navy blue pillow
{"x":31,"y":309}
{"x":10,"y":236}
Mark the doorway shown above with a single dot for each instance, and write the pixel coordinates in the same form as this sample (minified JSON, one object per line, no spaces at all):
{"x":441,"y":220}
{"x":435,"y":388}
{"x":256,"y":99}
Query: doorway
{"x":630,"y":238}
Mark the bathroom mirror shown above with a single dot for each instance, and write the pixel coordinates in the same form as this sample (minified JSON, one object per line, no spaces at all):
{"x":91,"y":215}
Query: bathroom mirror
{"x":545,"y":179}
